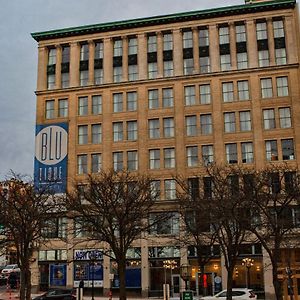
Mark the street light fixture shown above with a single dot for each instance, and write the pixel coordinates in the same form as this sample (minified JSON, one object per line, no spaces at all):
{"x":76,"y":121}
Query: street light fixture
{"x":248,"y":263}
{"x":169,"y":264}
{"x":92,"y":256}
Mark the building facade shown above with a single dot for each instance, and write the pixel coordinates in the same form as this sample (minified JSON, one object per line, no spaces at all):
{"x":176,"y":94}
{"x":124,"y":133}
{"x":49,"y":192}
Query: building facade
{"x":163,"y":95}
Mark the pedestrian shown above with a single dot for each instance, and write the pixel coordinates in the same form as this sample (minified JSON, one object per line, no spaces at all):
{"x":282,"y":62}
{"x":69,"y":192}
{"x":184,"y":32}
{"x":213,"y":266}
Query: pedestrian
{"x":12,"y":280}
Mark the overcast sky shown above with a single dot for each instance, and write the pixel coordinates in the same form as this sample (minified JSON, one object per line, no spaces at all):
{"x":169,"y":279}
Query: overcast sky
{"x":18,"y":57}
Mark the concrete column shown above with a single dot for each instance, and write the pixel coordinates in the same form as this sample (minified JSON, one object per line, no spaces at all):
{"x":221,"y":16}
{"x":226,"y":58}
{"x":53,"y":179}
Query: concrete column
{"x":214,"y":48}
{"x":271,"y":42}
{"x":291,"y":40}
{"x":196,"y":50}
{"x":74,"y":64}
{"x":106,"y":275}
{"x":144,"y":268}
{"x":91,"y":62}
{"x":178,"y":53}
{"x":252,"y":44}
{"x":232,"y":40}
{"x":108,"y":60}
{"x":42,"y":68}
{"x":268,"y":279}
{"x":125,"y":58}
{"x":223,"y":272}
{"x":58,"y":66}
{"x":160,"y":63}
{"x":142,"y":55}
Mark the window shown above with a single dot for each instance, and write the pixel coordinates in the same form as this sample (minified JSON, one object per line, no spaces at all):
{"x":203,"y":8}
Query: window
{"x":287,"y":146}
{"x":204,"y":64}
{"x":118,"y":131}
{"x":65,"y":80}
{"x":118,"y":161}
{"x":98,"y":76}
{"x":152,"y":43}
{"x":278,"y":29}
{"x":168,"y":68}
{"x":154,"y":129}
{"x":204,"y":94}
{"x":118,"y":47}
{"x":261,"y":31}
{"x":280,"y":56}
{"x":266,"y":88}
{"x":50,"y":81}
{"x":245,"y":121}
{"x":203,"y":37}
{"x":231,"y":153}
{"x":269,"y":119}
{"x":282,"y":86}
{"x":187,"y":39}
{"x":63,"y":108}
{"x":169,"y":158}
{"x":247,"y":152}
{"x":206,"y":124}
{"x":225,"y":62}
{"x":170,"y":189}
{"x":96,"y":133}
{"x":65,"y":54}
{"x":52,"y":56}
{"x":155,"y":189}
{"x":132,"y":46}
{"x":223,"y":35}
{"x":132,"y":130}
{"x":271,"y":150}
{"x":243,"y":90}
{"x":84,"y":52}
{"x":242,"y":60}
{"x":132,"y":160}
{"x":191,"y":125}
{"x":188,"y":66}
{"x":98,"y":50}
{"x":227,"y":90}
{"x":168,"y":41}
{"x":133,"y":72}
{"x":84,"y":77}
{"x":49,"y":109}
{"x":96,"y":163}
{"x":240,"y":33}
{"x":83,"y":106}
{"x":131,"y":101}
{"x":229,"y":122}
{"x":207,"y":154}
{"x":82,"y":134}
{"x":168,"y":127}
{"x":96,"y":105}
{"x":168,"y":100}
{"x":154,"y":159}
{"x":152,"y":70}
{"x":263,"y":58}
{"x":153,"y":99}
{"x":118,"y":102}
{"x":190,"y":95}
{"x":165,"y":224}
{"x":285,"y":117}
{"x":82,"y":164}
{"x":192,"y":156}
{"x":118,"y":74}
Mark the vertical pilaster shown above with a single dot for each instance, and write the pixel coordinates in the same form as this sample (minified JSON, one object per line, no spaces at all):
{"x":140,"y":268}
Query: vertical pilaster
{"x":196,"y":50}
{"x":291,"y":41}
{"x":108,"y":60}
{"x":142,"y":55}
{"x":252,"y":44}
{"x":74,"y":64}
{"x":214,"y":48}
{"x":271,"y":41}
{"x":160,"y":63}
{"x":125,"y":58}
{"x":58,"y":66}
{"x":42,"y":68}
{"x":178,"y":52}
{"x":91,"y":62}
{"x":232,"y":40}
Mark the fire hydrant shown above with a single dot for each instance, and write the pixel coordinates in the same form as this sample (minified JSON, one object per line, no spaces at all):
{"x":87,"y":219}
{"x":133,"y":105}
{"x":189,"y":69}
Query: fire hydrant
{"x":110,"y":295}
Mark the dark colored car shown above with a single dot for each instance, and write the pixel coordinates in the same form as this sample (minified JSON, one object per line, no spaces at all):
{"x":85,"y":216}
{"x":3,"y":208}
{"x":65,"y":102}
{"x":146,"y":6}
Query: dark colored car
{"x":58,"y":294}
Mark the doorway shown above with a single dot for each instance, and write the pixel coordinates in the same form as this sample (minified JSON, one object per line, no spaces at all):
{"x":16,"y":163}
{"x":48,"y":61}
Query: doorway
{"x":175,"y":288}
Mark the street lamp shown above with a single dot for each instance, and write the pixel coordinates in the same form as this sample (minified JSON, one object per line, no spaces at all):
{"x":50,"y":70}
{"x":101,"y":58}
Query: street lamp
{"x":169,"y":264}
{"x":248,"y":263}
{"x":186,"y":273}
{"x":92,"y":256}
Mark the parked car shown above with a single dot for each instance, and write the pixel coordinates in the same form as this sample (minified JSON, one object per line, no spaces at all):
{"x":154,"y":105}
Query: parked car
{"x":8,"y":269}
{"x":58,"y":294}
{"x":237,"y":294}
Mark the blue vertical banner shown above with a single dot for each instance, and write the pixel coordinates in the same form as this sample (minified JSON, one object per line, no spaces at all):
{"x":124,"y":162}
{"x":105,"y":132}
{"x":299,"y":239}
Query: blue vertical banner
{"x":51,"y":154}
{"x":58,"y":275}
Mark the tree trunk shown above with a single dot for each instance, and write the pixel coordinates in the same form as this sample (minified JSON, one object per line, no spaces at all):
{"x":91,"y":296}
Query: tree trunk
{"x":22,"y":284}
{"x":201,"y":283}
{"x":28,"y":284}
{"x":122,"y":270}
{"x":276,"y":283}
{"x":229,"y":282}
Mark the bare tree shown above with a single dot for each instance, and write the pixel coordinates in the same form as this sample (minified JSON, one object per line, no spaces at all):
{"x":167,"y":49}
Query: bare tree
{"x":192,"y":198}
{"x":273,"y":195}
{"x":24,"y":211}
{"x":114,"y":207}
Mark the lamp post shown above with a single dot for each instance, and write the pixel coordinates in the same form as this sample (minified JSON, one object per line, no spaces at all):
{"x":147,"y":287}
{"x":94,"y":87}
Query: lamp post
{"x":92,"y":256}
{"x":186,"y":273}
{"x":248,"y":263}
{"x":169,"y":264}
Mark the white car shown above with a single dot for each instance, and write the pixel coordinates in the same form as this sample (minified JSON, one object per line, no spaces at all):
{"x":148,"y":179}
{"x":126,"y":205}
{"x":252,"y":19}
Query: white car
{"x":8,"y":269}
{"x":237,"y":294}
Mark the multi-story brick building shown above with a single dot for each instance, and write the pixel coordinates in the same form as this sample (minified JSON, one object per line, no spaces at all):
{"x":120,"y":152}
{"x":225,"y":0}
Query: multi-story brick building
{"x":159,"y":95}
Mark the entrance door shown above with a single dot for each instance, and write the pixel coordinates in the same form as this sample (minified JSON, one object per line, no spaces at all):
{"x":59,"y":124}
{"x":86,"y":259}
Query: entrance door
{"x":175,"y":288}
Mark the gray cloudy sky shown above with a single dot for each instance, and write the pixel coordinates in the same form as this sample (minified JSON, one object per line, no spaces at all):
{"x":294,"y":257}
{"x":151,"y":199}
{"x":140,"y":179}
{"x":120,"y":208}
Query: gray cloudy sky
{"x":18,"y":57}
